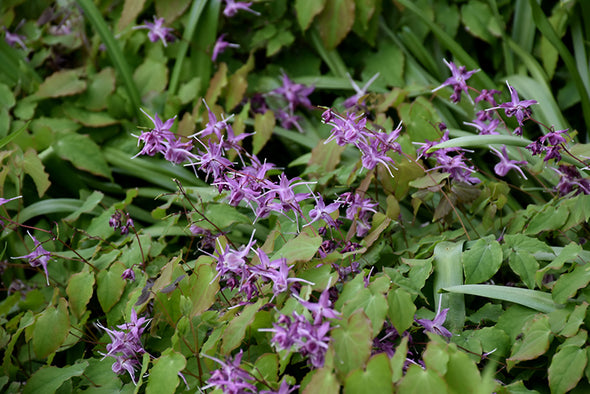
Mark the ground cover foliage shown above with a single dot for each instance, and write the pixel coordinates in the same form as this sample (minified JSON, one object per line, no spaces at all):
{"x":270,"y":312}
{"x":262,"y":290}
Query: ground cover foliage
{"x":294,"y":196}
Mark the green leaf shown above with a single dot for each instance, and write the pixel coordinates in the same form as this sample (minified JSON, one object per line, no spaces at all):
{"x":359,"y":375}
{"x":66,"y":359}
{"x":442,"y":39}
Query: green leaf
{"x":83,"y":153}
{"x":373,"y":303}
{"x":88,"y":204}
{"x":574,"y":321}
{"x":388,"y":61}
{"x":151,"y":77}
{"x":323,"y":381}
{"x":401,"y":309}
{"x":80,"y":289}
{"x":203,"y":290}
{"x":419,"y":381}
{"x":481,"y":141}
{"x":398,"y":361}
{"x":568,"y":284}
{"x":535,"y":342}
{"x":566,"y":369}
{"x":49,"y":379}
{"x":264,"y":125}
{"x":236,"y":329}
{"x":171,"y":9}
{"x":164,"y":374}
{"x":479,"y":21}
{"x":6,"y":97}
{"x":90,"y":118}
{"x":33,"y":166}
{"x":101,"y":86}
{"x":51,"y":329}
{"x":462,"y":374}
{"x":376,"y":378}
{"x":307,"y":10}
{"x":482,"y":260}
{"x":110,"y":286}
{"x":352,"y":341}
{"x":420,"y":119}
{"x":61,"y":83}
{"x":302,"y":248}
{"x":131,"y":9}
{"x":524,"y":265}
{"x":6,"y":140}
{"x":335,"y":21}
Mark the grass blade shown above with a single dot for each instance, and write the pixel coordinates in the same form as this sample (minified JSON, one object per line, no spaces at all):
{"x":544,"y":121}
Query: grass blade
{"x":448,"y":271}
{"x":547,"y":30}
{"x":114,"y":51}
{"x":533,"y":299}
{"x":189,"y":31}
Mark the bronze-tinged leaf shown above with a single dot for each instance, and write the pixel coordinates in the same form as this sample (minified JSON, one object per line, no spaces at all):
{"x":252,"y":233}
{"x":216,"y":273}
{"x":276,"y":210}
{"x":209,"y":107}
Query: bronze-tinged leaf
{"x":335,"y":21}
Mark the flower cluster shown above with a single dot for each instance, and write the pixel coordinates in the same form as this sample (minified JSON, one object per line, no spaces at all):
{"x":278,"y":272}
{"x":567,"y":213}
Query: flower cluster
{"x":292,"y":95}
{"x":570,"y":180}
{"x":373,"y":145}
{"x":551,"y":144}
{"x":161,"y":140}
{"x":297,"y":333}
{"x":117,"y":219}
{"x":230,"y":378}
{"x":125,"y":346}
{"x":455,"y":165}
{"x":233,"y":268}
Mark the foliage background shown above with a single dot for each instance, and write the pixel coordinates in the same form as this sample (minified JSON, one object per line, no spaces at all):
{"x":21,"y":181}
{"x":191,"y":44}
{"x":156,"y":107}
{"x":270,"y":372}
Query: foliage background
{"x":70,"y":102}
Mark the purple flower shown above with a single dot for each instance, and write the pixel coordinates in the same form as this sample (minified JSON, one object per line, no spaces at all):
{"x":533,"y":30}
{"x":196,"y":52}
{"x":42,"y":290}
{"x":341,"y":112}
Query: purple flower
{"x":156,"y":139}
{"x":516,"y":107}
{"x":39,"y":257}
{"x":157,"y":31}
{"x":571,"y":180}
{"x":485,"y":128}
{"x":321,"y":211}
{"x":230,"y":378}
{"x":322,"y":309}
{"x":436,"y":325}
{"x":360,"y":93}
{"x":455,"y":166}
{"x":347,"y":130}
{"x":232,"y":7}
{"x":457,"y":81}
{"x":505,"y":164}
{"x":294,"y":93}
{"x":220,"y":46}
{"x":13,"y":39}
{"x":487,"y":95}
{"x":129,"y":274}
{"x":554,"y":137}
{"x":177,"y":152}
{"x":311,"y":340}
{"x":125,"y":346}
{"x":5,"y":200}
{"x":276,"y":271}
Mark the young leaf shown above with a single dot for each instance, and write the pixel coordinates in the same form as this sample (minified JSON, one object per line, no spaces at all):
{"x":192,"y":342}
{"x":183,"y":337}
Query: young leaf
{"x":49,"y":379}
{"x":482,"y":260}
{"x":164,"y":374}
{"x":376,"y":378}
{"x":51,"y":329}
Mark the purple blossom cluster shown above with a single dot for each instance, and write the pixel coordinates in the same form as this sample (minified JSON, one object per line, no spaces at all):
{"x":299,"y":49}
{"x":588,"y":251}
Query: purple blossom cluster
{"x":310,"y":339}
{"x":233,"y":268}
{"x":373,"y":145}
{"x":161,"y":140}
{"x":455,"y":165}
{"x":457,"y":81}
{"x":292,"y":96}
{"x":117,"y":219}
{"x":551,"y":144}
{"x":125,"y":346}
{"x":571,"y":181}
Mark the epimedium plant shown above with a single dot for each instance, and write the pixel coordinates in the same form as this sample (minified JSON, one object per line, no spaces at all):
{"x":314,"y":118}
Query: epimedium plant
{"x":423,"y":232}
